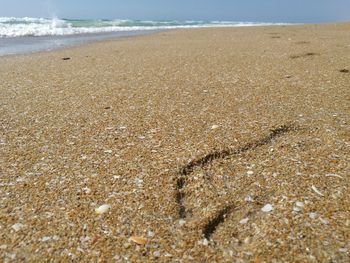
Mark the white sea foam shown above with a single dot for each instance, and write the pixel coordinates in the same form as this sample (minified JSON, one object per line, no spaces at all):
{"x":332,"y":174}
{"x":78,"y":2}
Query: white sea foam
{"x":28,"y":26}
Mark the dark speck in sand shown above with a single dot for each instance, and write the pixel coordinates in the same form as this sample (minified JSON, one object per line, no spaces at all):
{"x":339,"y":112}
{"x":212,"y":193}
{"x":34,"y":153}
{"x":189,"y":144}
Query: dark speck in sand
{"x":344,"y":71}
{"x":66,"y":58}
{"x":107,"y":108}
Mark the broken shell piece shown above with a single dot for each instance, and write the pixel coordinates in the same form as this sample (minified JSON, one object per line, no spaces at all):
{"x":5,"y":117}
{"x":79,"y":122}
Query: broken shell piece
{"x":299,"y":204}
{"x":249,"y":199}
{"x":267,"y":208}
{"x":250,"y":173}
{"x":334,"y":175}
{"x":316,"y":190}
{"x":102,"y":209}
{"x":86,"y":190}
{"x":182,"y":222}
{"x":205,"y":242}
{"x":313,"y":215}
{"x":214,"y":127}
{"x":244,"y":221}
{"x":139,"y":240}
{"x":17,"y":226}
{"x":296,"y":209}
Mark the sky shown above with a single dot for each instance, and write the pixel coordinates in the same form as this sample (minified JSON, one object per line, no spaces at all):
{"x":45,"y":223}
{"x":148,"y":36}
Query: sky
{"x":297,"y":11}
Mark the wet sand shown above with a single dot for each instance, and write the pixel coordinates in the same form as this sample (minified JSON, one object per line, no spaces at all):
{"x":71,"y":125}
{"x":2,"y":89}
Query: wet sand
{"x":210,"y":145}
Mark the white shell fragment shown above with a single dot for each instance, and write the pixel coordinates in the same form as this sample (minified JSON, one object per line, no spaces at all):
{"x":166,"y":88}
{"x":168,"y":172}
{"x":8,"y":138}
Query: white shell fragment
{"x":267,"y":208}
{"x":299,"y":204}
{"x":296,"y":209}
{"x":17,"y":226}
{"x":244,"y":221}
{"x":214,"y":127}
{"x":316,"y":190}
{"x":250,"y":173}
{"x":205,"y":242}
{"x":102,"y":209}
{"x":334,"y":175}
{"x":249,"y":199}
{"x":313,"y":215}
{"x":182,"y":222}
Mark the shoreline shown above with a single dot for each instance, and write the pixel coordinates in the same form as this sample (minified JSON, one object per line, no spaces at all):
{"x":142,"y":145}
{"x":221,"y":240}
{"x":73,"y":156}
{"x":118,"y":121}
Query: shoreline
{"x":220,"y":145}
{"x":31,"y":45}
{"x":13,"y":46}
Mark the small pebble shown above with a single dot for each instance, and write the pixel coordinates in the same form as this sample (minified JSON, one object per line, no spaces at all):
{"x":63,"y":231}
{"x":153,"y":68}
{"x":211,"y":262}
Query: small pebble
{"x":250,"y":173}
{"x":214,"y":127}
{"x":102,"y":209}
{"x":267,"y":208}
{"x":156,"y":254}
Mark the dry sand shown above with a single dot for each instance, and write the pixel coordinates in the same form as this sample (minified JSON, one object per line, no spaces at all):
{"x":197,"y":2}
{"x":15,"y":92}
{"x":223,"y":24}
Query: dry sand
{"x":212,"y":145}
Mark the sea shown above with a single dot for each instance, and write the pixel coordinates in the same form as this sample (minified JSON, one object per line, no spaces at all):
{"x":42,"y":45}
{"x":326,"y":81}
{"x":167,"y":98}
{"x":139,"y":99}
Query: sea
{"x":29,"y":34}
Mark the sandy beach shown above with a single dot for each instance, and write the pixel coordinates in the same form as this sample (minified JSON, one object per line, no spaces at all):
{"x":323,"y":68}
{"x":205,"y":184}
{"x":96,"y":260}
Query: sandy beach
{"x":207,"y":145}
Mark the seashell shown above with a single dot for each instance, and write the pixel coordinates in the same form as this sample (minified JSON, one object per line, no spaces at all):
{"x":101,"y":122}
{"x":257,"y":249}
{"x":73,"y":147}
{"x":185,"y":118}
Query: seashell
{"x":102,"y":209}
{"x":138,"y":240}
{"x":267,"y":208}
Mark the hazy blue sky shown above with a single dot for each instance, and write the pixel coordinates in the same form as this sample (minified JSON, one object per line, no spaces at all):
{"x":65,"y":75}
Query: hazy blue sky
{"x":234,"y":10}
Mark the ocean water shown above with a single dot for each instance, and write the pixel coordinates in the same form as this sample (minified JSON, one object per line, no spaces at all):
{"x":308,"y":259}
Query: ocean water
{"x":29,"y":26}
{"x":28,"y":34}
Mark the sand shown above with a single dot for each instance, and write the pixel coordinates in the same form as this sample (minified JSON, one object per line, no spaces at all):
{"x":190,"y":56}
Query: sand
{"x":205,"y":145}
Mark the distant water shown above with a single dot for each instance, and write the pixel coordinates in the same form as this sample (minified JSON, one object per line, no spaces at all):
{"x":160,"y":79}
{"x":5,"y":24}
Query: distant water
{"x":28,"y":26}
{"x":28,"y":34}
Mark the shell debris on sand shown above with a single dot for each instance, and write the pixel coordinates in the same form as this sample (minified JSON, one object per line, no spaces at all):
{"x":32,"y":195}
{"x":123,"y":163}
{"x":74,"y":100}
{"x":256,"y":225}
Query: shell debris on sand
{"x":102,"y":209}
{"x":138,"y":240}
{"x":267,"y":208}
{"x":316,"y":190}
{"x":17,"y":227}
